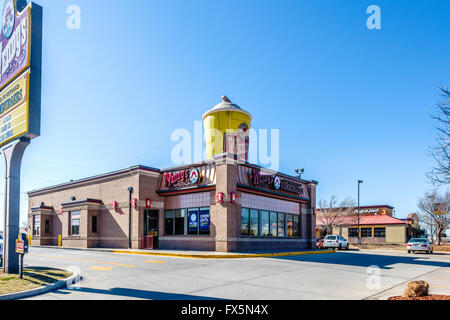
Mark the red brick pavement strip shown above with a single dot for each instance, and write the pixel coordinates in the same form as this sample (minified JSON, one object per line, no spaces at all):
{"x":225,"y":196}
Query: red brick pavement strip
{"x":429,"y":297}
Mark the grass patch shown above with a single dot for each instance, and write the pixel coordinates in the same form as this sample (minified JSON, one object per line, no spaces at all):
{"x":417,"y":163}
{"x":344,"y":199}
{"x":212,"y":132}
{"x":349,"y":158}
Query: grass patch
{"x":32,"y":278}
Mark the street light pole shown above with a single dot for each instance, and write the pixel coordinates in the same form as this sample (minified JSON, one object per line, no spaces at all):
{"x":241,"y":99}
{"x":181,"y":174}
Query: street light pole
{"x":359,"y":229}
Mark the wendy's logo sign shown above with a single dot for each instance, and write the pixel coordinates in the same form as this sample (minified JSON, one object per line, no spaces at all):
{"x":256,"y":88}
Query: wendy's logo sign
{"x":277,"y":183}
{"x":274,"y":182}
{"x":8,"y":18}
{"x":14,"y":42}
{"x":194,"y":176}
{"x":182,"y":178}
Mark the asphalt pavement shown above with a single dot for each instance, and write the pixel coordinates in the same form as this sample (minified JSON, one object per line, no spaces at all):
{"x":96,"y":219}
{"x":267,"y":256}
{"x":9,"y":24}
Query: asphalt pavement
{"x":349,"y":275}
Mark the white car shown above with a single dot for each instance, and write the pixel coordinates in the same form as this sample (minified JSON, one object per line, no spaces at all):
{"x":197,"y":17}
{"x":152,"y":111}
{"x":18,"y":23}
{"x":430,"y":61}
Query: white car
{"x":419,"y":244}
{"x":334,"y":241}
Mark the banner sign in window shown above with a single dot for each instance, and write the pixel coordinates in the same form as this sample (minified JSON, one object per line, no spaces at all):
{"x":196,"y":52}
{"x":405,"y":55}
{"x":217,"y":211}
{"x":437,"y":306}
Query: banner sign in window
{"x":193,"y":221}
{"x":14,"y":109}
{"x":204,"y":220}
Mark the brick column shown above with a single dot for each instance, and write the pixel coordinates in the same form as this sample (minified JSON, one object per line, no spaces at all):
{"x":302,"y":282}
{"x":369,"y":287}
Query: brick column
{"x":227,"y":215}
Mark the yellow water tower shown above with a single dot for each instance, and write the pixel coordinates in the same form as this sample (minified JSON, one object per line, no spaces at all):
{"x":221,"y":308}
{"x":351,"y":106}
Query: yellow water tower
{"x":227,"y":129}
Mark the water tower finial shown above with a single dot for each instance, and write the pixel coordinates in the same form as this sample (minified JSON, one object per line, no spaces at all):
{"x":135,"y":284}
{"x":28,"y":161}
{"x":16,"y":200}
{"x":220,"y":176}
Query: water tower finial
{"x":225,"y":99}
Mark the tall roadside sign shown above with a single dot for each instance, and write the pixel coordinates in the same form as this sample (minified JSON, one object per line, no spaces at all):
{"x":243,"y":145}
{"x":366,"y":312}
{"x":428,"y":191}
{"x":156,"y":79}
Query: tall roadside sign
{"x":20,"y":105}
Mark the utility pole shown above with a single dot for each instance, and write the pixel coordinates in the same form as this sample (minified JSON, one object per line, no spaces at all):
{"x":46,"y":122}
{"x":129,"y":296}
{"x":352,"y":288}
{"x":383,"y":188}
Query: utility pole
{"x":359,"y":229}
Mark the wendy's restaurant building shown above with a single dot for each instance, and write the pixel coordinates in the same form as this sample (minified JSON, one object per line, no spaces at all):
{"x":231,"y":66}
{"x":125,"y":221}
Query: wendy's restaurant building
{"x":222,"y":204}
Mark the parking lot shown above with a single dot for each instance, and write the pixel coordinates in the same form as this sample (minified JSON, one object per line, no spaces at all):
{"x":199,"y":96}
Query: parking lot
{"x":350,"y":274}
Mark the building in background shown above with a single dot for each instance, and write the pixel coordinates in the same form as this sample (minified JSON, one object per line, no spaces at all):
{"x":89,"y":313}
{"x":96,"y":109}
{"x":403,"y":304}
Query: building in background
{"x":221,"y":204}
{"x":376,"y":225}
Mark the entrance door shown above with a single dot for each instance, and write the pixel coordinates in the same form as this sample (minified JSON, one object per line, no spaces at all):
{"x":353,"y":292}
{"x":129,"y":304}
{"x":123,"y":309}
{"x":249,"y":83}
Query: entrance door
{"x":151,"y":229}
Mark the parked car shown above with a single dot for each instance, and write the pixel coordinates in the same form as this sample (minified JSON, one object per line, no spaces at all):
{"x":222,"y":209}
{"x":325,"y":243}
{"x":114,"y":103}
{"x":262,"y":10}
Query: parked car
{"x":419,"y":244}
{"x":319,"y":243}
{"x":334,"y":241}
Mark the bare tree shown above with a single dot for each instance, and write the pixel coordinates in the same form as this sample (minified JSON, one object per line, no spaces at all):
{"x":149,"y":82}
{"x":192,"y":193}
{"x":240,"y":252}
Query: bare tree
{"x":440,"y":174}
{"x":435,"y":212}
{"x":333,"y":212}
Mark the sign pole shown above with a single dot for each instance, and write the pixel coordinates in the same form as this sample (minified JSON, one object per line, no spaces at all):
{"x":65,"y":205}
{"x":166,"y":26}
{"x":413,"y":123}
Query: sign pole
{"x":21,"y":265}
{"x":13,"y":154}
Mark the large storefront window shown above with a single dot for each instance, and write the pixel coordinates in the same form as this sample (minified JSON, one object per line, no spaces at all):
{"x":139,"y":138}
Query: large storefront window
{"x":281,"y":224}
{"x":353,"y":232}
{"x":254,"y":222}
{"x":265,"y":223}
{"x":366,"y":232}
{"x":261,"y":223}
{"x":197,"y":222}
{"x":36,"y":225}
{"x":290,"y":225}
{"x":379,"y":232}
{"x":245,"y":222}
{"x":296,"y":226}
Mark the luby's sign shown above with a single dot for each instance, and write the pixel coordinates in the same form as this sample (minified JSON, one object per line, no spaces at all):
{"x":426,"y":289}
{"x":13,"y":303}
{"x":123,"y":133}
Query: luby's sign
{"x":15,"y":41}
{"x":20,"y":70}
{"x":274,"y":182}
{"x":182,"y":178}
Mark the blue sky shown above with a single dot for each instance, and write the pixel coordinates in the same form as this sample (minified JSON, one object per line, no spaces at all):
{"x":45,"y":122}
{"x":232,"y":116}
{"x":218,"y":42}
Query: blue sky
{"x":350,"y":103}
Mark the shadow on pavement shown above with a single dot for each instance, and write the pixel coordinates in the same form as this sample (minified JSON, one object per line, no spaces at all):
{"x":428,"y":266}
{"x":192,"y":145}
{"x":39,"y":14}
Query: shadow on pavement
{"x":366,"y":260}
{"x":142,"y":294}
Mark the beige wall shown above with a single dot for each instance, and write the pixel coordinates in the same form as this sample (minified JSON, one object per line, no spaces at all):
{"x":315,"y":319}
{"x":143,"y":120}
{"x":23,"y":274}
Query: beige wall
{"x":396,"y":234}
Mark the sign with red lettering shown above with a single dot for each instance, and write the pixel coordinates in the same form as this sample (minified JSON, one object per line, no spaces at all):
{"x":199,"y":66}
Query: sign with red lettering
{"x":219,"y":197}
{"x":114,"y":205}
{"x":182,"y":178}
{"x":148,"y":203}
{"x":134,"y":203}
{"x":274,"y":182}
{"x":20,"y":246}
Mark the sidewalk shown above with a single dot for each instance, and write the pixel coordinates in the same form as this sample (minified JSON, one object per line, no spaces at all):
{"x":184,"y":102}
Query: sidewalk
{"x":196,"y":254}
{"x":439,"y":281}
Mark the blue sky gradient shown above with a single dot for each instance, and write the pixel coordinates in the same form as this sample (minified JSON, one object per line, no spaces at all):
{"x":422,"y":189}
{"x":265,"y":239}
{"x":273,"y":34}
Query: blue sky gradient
{"x":351,"y":103}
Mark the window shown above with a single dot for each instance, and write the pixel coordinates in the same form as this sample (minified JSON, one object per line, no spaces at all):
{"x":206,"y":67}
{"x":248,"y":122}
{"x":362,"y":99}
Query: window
{"x":281,"y":224}
{"x":36,"y":225}
{"x":366,"y":232}
{"x":75,"y":223}
{"x":254,"y":222}
{"x":296,"y":226}
{"x":94,"y":224}
{"x":379,"y":232}
{"x":179,"y":223}
{"x":353,"y":232}
{"x":265,"y":224}
{"x":168,"y":223}
{"x":245,"y":222}
{"x":290,"y":225}
{"x":204,"y":221}
{"x":273,"y":224}
{"x":47,"y":226}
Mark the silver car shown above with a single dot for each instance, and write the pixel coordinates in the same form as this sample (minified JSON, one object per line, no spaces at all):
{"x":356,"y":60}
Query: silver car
{"x":419,"y":244}
{"x":335,"y":241}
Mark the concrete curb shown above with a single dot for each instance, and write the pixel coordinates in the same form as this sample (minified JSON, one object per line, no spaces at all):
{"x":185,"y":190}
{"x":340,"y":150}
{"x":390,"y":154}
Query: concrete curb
{"x":225,"y":256}
{"x":198,"y":256}
{"x":38,"y":291}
